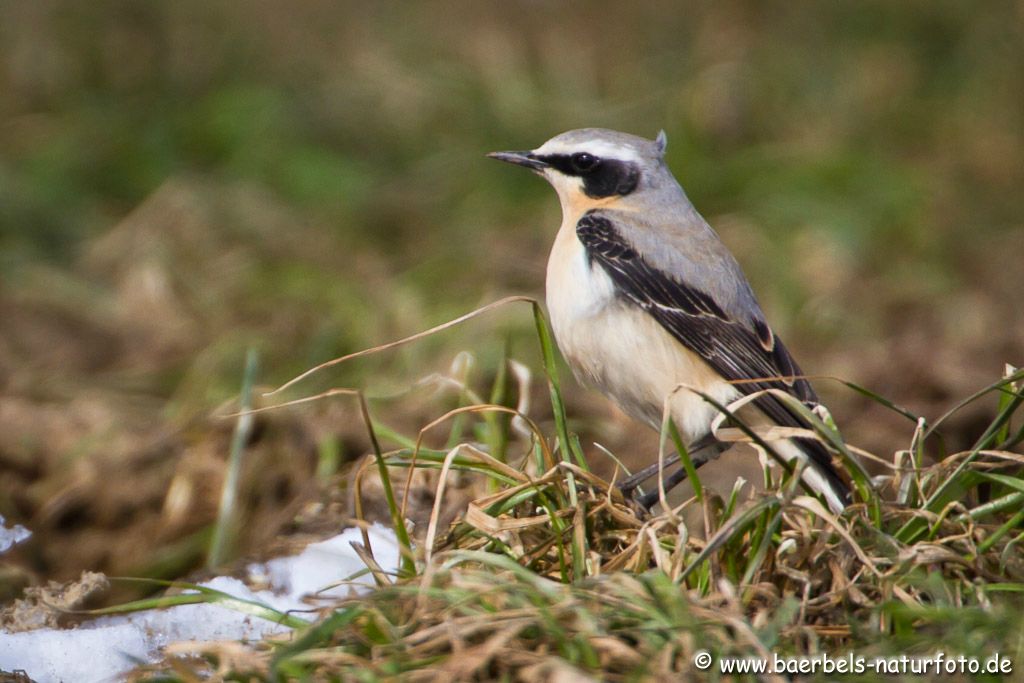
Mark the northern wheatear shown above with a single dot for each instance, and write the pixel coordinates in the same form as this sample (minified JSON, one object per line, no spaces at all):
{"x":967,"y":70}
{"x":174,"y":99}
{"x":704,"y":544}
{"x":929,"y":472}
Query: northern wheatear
{"x":644,"y":297}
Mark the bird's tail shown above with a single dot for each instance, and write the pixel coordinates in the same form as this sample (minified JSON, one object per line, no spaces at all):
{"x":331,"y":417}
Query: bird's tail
{"x":820,"y":474}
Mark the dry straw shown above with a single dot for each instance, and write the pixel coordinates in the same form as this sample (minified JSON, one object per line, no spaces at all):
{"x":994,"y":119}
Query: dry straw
{"x":555,"y":573}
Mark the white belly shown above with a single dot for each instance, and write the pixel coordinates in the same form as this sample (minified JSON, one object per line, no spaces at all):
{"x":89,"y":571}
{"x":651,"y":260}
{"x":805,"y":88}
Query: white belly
{"x":620,"y":349}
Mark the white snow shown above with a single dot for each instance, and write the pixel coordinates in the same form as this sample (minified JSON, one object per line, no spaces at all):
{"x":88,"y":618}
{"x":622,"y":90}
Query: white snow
{"x":103,"y":649}
{"x":10,"y":537}
{"x":322,"y":564}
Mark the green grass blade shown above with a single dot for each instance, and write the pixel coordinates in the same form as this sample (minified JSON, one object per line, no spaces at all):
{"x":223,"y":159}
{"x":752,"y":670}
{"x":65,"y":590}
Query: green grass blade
{"x":881,"y":400}
{"x":393,"y":435}
{"x":317,"y":634}
{"x":728,"y":531}
{"x":772,"y":521}
{"x":226,"y":527}
{"x":568,"y":448}
{"x":995,"y":386}
{"x":1007,"y":502}
{"x":687,"y":462}
{"x":960,"y":480}
{"x":202,"y":594}
{"x":497,"y":424}
{"x":547,"y":348}
{"x":1005,"y":528}
{"x":408,"y":565}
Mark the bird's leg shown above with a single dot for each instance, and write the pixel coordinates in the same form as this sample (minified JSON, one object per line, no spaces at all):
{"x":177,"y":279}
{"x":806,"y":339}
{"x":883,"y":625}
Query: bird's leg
{"x":701,"y":451}
{"x":634,"y":480}
{"x":627,"y":485}
{"x":649,"y":499}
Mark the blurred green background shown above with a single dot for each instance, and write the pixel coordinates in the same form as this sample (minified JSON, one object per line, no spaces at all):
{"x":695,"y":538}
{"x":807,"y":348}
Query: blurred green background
{"x":182,"y":180}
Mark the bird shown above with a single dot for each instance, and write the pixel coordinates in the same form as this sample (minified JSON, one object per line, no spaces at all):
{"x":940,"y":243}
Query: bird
{"x":644,"y":297}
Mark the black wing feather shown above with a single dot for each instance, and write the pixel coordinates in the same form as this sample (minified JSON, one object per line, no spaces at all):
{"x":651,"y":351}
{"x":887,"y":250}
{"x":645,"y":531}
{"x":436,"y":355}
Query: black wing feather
{"x":699,"y":323}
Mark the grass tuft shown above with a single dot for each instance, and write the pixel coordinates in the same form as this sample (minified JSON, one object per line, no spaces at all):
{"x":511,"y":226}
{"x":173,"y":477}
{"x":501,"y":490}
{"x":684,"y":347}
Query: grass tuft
{"x":553,"y":570}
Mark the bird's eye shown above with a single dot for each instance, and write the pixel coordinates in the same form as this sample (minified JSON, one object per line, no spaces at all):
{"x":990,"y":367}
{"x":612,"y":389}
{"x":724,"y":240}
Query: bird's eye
{"x":583,"y":162}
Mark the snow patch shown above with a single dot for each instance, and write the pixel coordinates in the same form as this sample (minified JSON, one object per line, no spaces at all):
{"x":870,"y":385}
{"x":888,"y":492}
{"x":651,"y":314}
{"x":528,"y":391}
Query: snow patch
{"x":10,"y":537}
{"x":103,"y":649}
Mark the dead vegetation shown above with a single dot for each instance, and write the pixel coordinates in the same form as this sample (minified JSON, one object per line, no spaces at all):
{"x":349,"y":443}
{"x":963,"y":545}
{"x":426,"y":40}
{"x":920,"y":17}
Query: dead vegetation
{"x":555,"y":574}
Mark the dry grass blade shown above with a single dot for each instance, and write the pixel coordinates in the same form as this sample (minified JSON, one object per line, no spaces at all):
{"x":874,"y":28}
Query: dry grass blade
{"x":402,"y":342}
{"x":815,"y":506}
{"x":553,"y":564}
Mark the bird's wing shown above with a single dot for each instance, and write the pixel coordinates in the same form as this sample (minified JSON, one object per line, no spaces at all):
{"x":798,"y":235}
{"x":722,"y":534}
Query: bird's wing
{"x":736,"y":349}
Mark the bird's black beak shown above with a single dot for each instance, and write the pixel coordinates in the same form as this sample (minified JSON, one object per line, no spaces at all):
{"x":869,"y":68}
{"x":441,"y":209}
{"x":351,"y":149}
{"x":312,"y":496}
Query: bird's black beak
{"x":527,"y":159}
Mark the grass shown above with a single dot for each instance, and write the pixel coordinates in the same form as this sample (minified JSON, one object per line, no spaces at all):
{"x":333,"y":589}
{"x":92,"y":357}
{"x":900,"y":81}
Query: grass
{"x":227,"y":513}
{"x":554,"y":572}
{"x":310,"y":197}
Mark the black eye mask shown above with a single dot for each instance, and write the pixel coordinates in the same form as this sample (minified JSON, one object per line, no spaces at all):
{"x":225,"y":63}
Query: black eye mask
{"x":601,"y":177}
